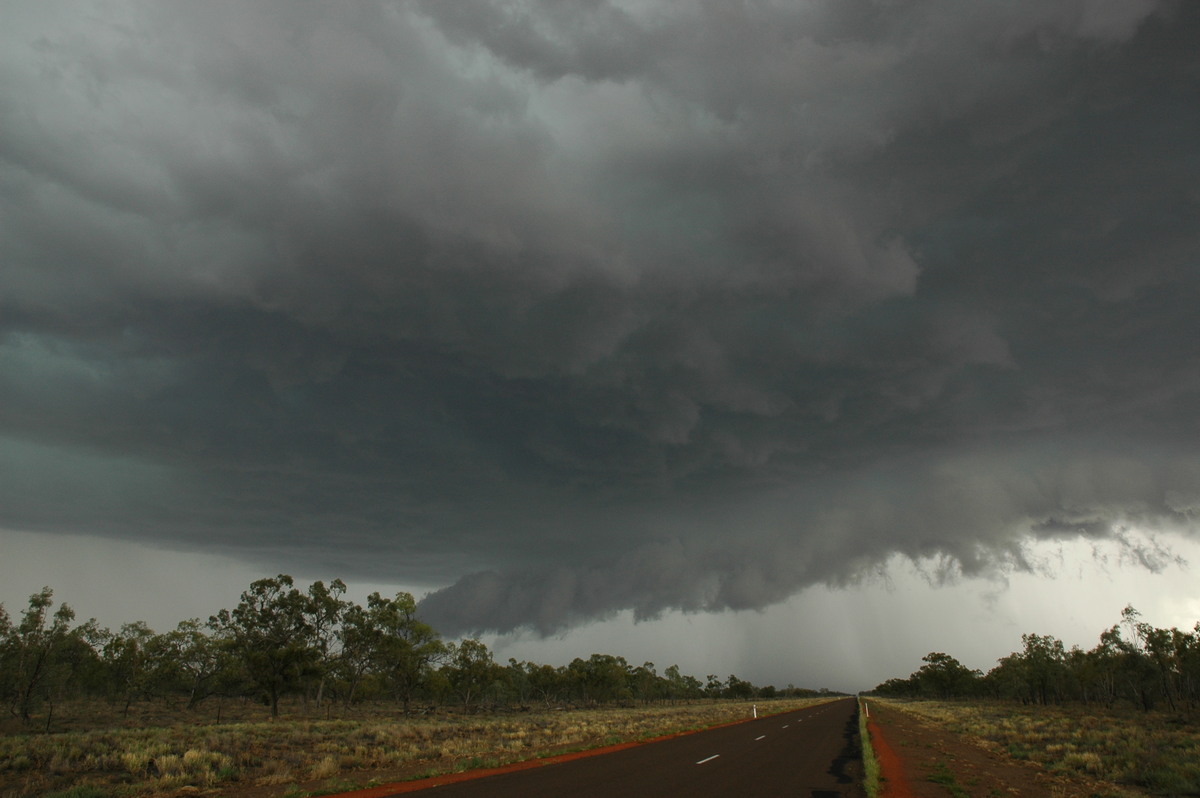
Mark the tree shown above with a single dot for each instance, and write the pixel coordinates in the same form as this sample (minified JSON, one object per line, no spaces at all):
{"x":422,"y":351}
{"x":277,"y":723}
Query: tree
{"x":359,"y":638}
{"x":600,"y":678}
{"x":30,"y":651}
{"x":516,"y":676}
{"x":646,"y":684}
{"x":272,"y":636}
{"x":738,"y":688}
{"x":404,"y":649}
{"x":1134,"y":669}
{"x":196,"y":660}
{"x":128,"y":659}
{"x":1044,"y":660}
{"x":945,"y":677}
{"x":469,"y":671}
{"x":7,"y":650}
{"x":548,"y":683}
{"x":326,"y":610}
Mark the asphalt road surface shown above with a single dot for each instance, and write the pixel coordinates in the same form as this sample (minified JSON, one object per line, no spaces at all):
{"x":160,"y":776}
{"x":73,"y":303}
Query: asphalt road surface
{"x":807,"y":753}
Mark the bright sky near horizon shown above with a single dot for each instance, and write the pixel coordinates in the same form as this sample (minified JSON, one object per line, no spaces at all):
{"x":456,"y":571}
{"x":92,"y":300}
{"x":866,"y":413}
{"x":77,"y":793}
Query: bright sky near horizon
{"x":789,"y":339}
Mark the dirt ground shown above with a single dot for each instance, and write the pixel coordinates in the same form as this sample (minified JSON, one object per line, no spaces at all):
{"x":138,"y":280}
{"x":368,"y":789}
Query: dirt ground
{"x":935,"y":764}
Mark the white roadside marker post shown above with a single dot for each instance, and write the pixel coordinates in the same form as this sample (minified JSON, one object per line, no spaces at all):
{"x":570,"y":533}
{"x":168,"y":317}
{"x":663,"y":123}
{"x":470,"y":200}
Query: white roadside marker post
{"x":755,"y":708}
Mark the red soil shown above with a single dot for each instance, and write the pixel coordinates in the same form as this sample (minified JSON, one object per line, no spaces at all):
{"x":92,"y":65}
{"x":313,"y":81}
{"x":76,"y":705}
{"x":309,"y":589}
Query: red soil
{"x":891,"y":769}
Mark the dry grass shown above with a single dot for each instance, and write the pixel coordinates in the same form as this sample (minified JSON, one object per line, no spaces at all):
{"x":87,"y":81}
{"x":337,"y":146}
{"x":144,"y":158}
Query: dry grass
{"x":218,"y":758}
{"x":1152,"y":751}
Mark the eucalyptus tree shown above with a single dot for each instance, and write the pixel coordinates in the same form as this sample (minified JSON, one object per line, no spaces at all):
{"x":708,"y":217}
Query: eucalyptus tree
{"x":31,"y":652}
{"x":403,"y":650}
{"x":271,"y":634}
{"x":130,"y":658}
{"x":548,"y":683}
{"x":358,"y":638}
{"x":198,"y":660}
{"x":326,"y":611}
{"x":678,"y":685}
{"x":943,"y":676}
{"x":646,"y":684}
{"x":600,"y":678}
{"x":470,"y":671}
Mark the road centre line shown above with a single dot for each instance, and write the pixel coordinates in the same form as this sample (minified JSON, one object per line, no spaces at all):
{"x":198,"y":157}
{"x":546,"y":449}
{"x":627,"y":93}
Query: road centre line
{"x":760,"y":738}
{"x":711,"y":758}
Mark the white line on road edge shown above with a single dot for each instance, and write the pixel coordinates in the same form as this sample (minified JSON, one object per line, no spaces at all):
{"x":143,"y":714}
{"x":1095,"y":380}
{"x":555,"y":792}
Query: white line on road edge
{"x":711,"y":758}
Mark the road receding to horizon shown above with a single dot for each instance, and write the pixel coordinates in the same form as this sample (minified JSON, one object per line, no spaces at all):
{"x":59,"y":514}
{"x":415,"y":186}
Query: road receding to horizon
{"x":807,"y":752}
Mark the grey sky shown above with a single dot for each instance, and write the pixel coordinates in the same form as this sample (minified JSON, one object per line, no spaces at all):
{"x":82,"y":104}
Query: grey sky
{"x":579,"y":308}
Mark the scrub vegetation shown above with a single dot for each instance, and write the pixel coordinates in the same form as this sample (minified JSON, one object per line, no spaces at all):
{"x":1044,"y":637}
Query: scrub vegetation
{"x":1154,"y":751}
{"x":372,"y":742}
{"x":296,"y":686}
{"x":1125,"y":711}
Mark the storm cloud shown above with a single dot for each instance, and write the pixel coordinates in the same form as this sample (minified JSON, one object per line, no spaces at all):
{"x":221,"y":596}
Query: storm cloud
{"x":570,"y":308}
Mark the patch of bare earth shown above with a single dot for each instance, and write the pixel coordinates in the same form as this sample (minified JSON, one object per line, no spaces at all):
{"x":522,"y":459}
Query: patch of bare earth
{"x":937,"y":763}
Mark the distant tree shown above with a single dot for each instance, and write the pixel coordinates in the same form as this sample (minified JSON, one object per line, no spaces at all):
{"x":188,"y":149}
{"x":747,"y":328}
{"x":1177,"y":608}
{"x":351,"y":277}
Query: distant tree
{"x":1045,"y":667}
{"x":547,"y":683}
{"x":271,"y":634}
{"x":646,"y":684}
{"x":738,"y":688}
{"x":129,"y":661}
{"x":469,"y":671}
{"x":516,"y":676}
{"x":197,"y":660}
{"x":897,"y":687}
{"x":1104,"y":662}
{"x":691,"y":687}
{"x":943,"y":676}
{"x":600,"y":678}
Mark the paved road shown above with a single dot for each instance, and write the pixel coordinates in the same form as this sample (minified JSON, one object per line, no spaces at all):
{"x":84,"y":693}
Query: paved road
{"x":805,"y":753}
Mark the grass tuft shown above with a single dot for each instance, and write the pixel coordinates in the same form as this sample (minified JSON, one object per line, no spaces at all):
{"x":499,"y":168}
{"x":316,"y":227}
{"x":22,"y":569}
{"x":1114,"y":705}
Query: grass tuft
{"x":942,"y":775}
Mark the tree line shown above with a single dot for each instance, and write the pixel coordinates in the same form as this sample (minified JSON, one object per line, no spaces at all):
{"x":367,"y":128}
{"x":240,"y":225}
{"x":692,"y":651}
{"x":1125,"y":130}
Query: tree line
{"x":1133,"y":663}
{"x":283,"y":641}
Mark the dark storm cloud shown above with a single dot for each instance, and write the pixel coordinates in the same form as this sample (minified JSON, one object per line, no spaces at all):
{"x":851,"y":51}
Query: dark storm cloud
{"x":593,"y":306}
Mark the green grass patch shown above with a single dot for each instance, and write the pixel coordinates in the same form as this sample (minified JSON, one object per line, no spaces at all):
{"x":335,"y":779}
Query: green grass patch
{"x":870,"y":763}
{"x":942,"y":775}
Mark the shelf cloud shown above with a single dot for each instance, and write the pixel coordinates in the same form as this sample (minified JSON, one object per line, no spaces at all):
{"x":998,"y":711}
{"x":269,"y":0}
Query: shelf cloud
{"x":566,"y":309}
